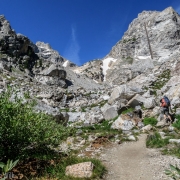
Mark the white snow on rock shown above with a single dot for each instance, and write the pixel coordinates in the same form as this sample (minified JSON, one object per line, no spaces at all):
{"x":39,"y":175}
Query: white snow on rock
{"x":142,"y":57}
{"x":65,"y":63}
{"x":77,"y":71}
{"x":105,"y":65}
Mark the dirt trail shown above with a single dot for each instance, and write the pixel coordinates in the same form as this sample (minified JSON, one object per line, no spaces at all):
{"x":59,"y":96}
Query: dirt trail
{"x":133,"y":161}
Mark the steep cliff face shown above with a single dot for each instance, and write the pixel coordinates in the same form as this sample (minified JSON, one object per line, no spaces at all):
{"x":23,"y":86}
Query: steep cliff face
{"x":164,"y":35}
{"x":131,"y":56}
{"x":92,"y":69}
{"x":15,"y":45}
{"x":132,"y":52}
{"x":46,"y":52}
{"x":38,"y":70}
{"x":41,"y":73}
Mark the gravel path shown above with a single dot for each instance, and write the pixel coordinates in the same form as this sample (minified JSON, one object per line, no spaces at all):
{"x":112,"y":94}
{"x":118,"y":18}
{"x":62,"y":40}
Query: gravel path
{"x":133,"y":161}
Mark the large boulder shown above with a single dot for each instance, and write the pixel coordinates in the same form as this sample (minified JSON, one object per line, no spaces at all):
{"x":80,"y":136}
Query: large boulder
{"x":140,"y":100}
{"x":174,"y":141}
{"x":76,"y":116}
{"x":54,"y":71}
{"x":93,"y":118}
{"x":45,"y":51}
{"x":142,"y":64}
{"x":81,"y":170}
{"x":161,"y":123}
{"x":125,"y":125}
{"x":57,"y":115}
{"x":122,"y":92}
{"x":109,"y":112}
{"x":147,"y":128}
{"x":52,"y":76}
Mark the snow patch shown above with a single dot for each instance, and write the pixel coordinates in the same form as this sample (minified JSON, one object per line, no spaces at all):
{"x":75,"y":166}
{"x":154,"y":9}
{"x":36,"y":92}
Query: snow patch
{"x":105,"y":65}
{"x":65,"y":63}
{"x":77,"y":71}
{"x":47,"y":53}
{"x":143,"y":57}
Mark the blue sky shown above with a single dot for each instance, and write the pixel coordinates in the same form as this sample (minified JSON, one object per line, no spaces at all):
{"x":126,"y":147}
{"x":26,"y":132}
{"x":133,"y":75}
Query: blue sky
{"x":80,"y":30}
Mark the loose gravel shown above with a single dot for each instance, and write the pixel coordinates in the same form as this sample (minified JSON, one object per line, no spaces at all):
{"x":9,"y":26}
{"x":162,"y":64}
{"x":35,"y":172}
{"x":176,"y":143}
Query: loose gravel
{"x":133,"y":161}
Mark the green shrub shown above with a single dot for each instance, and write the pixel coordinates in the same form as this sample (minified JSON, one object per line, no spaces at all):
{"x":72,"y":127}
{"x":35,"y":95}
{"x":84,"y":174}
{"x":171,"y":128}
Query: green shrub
{"x":150,"y":120}
{"x":177,"y":123}
{"x":156,"y":141}
{"x":22,"y":129}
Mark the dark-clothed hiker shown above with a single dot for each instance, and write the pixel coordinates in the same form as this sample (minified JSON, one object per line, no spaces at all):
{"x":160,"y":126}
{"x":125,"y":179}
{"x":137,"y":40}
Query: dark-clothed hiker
{"x":165,"y":104}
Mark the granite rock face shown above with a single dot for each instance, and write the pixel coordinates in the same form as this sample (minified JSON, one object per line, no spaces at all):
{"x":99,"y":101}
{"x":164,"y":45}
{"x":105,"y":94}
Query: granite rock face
{"x":46,"y":52}
{"x":133,"y":50}
{"x":131,"y":58}
{"x":124,"y":78}
{"x":15,"y":45}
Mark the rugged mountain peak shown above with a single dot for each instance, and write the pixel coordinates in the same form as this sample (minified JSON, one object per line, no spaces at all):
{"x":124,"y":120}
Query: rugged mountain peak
{"x":46,"y":52}
{"x":133,"y":49}
{"x":43,"y":45}
{"x":132,"y":55}
{"x":5,"y":27}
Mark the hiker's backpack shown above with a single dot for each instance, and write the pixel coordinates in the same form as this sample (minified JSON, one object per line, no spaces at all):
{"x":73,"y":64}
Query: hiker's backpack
{"x":167,"y":101}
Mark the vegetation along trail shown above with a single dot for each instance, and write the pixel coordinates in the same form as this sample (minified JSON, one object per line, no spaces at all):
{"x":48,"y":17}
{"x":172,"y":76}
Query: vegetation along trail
{"x":133,"y":161}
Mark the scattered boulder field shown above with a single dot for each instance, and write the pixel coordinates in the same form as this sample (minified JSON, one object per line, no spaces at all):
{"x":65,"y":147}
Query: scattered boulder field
{"x":118,"y":92}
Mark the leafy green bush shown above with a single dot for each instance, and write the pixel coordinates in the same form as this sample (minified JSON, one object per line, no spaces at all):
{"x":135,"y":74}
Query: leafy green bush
{"x":177,"y":123}
{"x":150,"y":120}
{"x":156,"y":141}
{"x":22,"y":129}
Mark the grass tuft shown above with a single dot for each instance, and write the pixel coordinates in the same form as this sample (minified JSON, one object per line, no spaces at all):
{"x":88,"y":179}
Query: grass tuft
{"x":177,"y":123}
{"x":155,"y":141}
{"x":150,"y":120}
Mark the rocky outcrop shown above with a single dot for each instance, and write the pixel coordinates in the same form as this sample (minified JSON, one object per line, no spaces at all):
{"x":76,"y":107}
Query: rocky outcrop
{"x":46,"y":52}
{"x":125,"y":125}
{"x":132,"y":52}
{"x":123,"y":92}
{"x":81,"y":170}
{"x":92,"y":69}
{"x":100,"y":89}
{"x":52,"y":76}
{"x":140,"y":100}
{"x":15,"y":45}
{"x":109,"y":112}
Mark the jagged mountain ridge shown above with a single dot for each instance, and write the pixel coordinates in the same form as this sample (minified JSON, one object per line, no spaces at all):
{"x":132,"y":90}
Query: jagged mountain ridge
{"x":38,"y":70}
{"x":46,"y":76}
{"x":123,"y":63}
